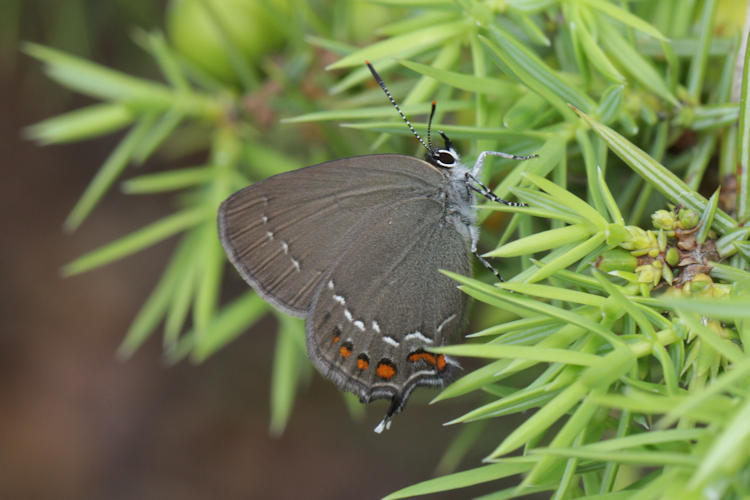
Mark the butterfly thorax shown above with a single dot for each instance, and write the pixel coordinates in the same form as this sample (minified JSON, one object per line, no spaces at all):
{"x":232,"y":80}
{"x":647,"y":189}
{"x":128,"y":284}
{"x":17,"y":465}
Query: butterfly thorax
{"x":457,"y":196}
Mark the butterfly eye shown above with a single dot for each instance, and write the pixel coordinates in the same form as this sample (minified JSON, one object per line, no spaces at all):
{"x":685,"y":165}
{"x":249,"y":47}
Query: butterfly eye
{"x":446,"y":158}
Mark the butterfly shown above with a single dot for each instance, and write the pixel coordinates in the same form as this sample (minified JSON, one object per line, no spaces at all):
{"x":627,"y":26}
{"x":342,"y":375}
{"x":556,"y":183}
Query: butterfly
{"x":355,"y":247}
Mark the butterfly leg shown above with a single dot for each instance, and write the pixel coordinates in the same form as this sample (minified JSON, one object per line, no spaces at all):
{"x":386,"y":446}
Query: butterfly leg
{"x":489,"y":266}
{"x":474,"y":239}
{"x":480,"y":188}
{"x":477,"y":169}
{"x":485,"y":191}
{"x":474,"y":183}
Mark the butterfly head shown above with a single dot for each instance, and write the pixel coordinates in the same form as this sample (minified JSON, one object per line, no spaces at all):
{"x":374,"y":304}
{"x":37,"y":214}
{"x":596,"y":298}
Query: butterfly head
{"x":445,"y":157}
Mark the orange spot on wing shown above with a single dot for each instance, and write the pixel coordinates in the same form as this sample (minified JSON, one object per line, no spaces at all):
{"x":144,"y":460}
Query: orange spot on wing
{"x":345,"y":350}
{"x":441,"y":362}
{"x":362,"y":362}
{"x":385,"y":370}
{"x":422,"y":355}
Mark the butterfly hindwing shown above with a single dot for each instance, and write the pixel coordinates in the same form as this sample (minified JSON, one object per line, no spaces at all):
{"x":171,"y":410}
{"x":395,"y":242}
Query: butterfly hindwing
{"x":384,"y":304}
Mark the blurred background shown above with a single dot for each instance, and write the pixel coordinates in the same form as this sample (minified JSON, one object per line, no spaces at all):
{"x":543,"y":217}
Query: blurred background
{"x":75,"y":421}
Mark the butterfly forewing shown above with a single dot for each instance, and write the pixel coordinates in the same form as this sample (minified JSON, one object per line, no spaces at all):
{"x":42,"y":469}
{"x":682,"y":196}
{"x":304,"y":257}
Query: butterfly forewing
{"x":284,"y":233}
{"x":384,"y":303}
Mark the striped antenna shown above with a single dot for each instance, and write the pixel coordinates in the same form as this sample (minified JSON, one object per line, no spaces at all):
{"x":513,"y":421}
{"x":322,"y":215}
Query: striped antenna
{"x":395,"y":105}
{"x":429,"y":126}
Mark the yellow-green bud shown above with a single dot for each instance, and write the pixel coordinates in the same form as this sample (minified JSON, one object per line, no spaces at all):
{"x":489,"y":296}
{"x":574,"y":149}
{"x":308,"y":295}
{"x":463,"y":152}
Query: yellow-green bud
{"x":700,"y":283}
{"x":635,"y":238}
{"x":648,"y":273}
{"x":666,"y":274}
{"x":661,"y":240}
{"x":640,"y":242}
{"x":672,"y":256}
{"x":689,"y":218}
{"x":663,"y":219}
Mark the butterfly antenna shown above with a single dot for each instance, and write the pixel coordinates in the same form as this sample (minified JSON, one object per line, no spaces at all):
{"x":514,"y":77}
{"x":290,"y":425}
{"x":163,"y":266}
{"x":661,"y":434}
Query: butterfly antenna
{"x":395,"y":105}
{"x":429,"y":126}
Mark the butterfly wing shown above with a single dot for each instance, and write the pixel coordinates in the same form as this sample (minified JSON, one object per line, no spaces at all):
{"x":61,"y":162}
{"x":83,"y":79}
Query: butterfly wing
{"x":284,"y":233}
{"x":384,"y":304}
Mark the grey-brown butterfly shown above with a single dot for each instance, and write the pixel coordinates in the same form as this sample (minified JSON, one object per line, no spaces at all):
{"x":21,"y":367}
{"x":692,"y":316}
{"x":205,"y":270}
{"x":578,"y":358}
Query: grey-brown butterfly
{"x":355,"y":246}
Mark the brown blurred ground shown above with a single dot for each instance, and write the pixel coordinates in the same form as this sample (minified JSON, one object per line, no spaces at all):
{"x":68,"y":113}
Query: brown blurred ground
{"x":77,"y":423}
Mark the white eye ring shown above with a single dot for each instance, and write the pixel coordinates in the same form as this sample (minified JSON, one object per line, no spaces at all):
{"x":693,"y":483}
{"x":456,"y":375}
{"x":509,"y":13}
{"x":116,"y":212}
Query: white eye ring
{"x":446,"y":158}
